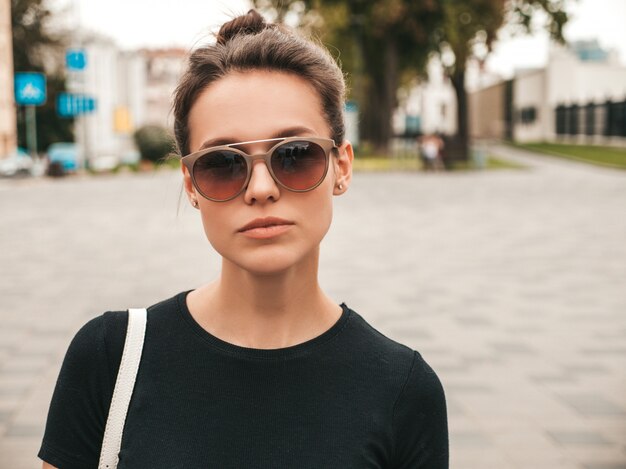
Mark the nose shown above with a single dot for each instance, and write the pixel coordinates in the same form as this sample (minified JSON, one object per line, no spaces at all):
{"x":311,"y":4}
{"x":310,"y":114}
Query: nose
{"x":261,"y":186}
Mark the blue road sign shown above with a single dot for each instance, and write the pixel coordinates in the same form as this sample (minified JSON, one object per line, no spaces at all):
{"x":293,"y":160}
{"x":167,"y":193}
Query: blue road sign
{"x":30,"y":89}
{"x":73,"y":104}
{"x":76,"y":59}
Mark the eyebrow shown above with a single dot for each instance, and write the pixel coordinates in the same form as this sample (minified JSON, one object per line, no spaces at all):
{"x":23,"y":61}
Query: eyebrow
{"x":288,"y":132}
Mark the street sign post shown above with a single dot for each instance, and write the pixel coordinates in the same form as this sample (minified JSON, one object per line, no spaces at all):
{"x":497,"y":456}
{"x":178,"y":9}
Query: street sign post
{"x":30,"y":91}
{"x":76,"y":103}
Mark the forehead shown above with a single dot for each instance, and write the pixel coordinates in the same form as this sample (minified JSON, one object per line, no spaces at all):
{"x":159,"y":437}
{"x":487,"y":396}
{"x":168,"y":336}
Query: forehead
{"x":255,"y":105}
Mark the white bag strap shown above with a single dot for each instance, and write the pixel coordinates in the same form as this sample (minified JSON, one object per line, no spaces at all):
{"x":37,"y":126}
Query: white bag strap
{"x":123,"y":391}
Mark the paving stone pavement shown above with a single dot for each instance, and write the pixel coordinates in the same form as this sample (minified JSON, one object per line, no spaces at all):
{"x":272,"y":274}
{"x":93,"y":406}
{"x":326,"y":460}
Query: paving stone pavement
{"x":511,"y":283}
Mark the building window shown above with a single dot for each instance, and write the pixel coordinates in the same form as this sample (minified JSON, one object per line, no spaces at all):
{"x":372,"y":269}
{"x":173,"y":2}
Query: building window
{"x":567,"y":112}
{"x":590,"y":115}
{"x":528,"y":115}
{"x":617,"y":123}
{"x":608,"y":122}
{"x":572,"y":128}
{"x":560,"y":119}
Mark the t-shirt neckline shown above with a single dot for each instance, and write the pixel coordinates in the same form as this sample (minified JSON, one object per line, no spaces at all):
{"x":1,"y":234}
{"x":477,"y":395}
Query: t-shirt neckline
{"x":280,"y":353}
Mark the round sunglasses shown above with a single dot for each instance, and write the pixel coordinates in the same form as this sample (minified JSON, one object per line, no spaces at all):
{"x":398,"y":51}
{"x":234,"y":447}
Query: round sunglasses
{"x":298,"y":164}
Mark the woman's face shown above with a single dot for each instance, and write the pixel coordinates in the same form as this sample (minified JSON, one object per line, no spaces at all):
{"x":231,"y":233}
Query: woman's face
{"x":258,"y":105}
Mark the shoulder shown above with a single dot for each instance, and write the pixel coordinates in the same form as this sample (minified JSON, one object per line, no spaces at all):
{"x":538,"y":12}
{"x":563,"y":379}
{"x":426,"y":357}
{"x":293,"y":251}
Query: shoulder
{"x":419,"y":414}
{"x":104,"y":335}
{"x":419,"y":421}
{"x":96,"y":330}
{"x":419,"y":379}
{"x":82,"y":394}
{"x":98,"y":344}
{"x":370,"y":342}
{"x":422,"y":390}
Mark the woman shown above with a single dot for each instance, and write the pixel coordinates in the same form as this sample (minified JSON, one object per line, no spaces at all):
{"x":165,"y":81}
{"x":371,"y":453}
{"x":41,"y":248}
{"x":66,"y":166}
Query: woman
{"x":259,"y":368}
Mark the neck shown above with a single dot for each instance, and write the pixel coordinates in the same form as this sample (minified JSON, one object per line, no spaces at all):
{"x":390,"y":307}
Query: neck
{"x":265,"y":310}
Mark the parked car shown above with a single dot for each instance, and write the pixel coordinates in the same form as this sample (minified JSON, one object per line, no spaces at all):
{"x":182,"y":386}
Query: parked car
{"x":17,"y":163}
{"x":64,"y":153}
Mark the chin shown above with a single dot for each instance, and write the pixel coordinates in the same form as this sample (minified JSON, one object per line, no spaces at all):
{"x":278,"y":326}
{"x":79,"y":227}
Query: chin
{"x":275,"y":260}
{"x":266,"y":267}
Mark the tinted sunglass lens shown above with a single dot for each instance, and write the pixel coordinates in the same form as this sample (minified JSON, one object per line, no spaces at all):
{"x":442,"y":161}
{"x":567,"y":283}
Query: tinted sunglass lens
{"x":299,"y":165}
{"x":220,"y":175}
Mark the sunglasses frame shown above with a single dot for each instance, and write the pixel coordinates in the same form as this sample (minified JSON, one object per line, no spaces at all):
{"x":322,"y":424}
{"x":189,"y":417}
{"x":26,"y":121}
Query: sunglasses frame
{"x":326,"y":144}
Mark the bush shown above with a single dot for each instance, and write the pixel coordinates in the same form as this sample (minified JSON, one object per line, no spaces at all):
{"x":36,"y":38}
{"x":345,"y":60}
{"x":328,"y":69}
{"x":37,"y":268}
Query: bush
{"x":153,"y":142}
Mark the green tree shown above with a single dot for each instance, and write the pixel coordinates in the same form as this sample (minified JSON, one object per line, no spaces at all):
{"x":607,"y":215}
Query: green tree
{"x":468,"y":31}
{"x":379,"y":43}
{"x":36,"y":48}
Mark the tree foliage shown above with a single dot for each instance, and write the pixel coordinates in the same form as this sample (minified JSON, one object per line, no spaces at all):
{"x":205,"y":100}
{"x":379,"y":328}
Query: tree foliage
{"x":379,"y":43}
{"x":153,"y":142}
{"x":36,"y":48}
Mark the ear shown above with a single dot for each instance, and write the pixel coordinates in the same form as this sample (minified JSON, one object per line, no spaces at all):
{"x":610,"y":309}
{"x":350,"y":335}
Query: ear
{"x":343,"y":167}
{"x":188,"y":185}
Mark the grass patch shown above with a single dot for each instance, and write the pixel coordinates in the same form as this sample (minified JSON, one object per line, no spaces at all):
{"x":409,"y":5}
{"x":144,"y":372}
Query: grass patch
{"x":600,"y":155}
{"x":496,"y":163}
{"x":382,"y":163}
{"x":492,"y":163}
{"x":171,"y":162}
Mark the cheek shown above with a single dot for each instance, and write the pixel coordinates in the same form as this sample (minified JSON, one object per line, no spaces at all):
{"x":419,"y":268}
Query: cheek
{"x":217,"y":228}
{"x":318,"y":210}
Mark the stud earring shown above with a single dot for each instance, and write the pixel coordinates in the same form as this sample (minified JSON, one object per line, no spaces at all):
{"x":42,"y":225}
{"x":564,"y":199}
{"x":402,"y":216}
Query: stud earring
{"x":194,"y":203}
{"x":340,"y":186}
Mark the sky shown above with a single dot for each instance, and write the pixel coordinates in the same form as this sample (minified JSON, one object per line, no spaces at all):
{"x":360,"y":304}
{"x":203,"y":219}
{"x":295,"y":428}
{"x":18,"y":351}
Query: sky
{"x":163,"y":23}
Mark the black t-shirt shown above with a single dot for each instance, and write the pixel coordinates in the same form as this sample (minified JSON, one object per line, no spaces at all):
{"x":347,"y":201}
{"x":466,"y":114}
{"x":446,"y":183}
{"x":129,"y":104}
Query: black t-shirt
{"x":348,"y":398}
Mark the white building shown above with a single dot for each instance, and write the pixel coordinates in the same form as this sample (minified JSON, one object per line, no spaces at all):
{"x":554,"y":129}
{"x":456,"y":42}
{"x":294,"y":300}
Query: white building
{"x":131,"y":89}
{"x":580,"y":96}
{"x":575,"y":77}
{"x":164,"y":67}
{"x":117,"y":81}
{"x":431,"y":104}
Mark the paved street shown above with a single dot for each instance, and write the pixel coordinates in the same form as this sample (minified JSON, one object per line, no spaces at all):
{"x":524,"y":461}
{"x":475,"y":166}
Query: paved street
{"x":511,"y":283}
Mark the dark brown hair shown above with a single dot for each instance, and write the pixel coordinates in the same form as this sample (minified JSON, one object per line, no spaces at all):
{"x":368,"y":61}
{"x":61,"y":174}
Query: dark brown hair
{"x":249,"y":43}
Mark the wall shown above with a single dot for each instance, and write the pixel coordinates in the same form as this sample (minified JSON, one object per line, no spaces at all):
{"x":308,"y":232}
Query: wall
{"x":486,"y":112}
{"x":8,"y":128}
{"x":529,"y":95}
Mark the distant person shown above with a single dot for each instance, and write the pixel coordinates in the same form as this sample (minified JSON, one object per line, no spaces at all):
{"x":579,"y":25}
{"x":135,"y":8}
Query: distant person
{"x":431,"y":149}
{"x":258,"y":368}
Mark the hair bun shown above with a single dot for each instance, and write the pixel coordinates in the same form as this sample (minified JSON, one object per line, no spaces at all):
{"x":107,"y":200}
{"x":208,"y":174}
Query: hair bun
{"x":250,"y":23}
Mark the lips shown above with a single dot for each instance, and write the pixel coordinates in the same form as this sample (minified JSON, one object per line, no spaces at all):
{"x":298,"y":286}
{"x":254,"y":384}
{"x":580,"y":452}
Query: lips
{"x":265,"y":222}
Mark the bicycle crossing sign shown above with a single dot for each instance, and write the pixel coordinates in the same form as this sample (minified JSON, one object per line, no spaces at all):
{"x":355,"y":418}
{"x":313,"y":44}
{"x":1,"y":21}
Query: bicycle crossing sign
{"x":30,"y":89}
